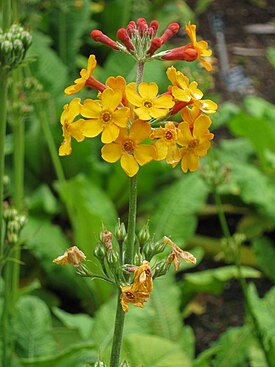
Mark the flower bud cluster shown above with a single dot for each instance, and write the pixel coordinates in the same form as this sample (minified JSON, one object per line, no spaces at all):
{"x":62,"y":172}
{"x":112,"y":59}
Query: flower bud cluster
{"x":13,"y":46}
{"x":14,"y":224}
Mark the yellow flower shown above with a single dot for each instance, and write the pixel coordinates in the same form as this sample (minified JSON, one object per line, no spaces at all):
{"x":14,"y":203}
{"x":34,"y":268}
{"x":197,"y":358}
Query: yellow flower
{"x":104,"y":116}
{"x":118,"y":84}
{"x":187,"y":92}
{"x":177,"y":254}
{"x":128,"y":149}
{"x":84,"y":76}
{"x":69,"y":127}
{"x":195,"y":142}
{"x":166,"y":145}
{"x":190,"y":115}
{"x":201,"y":47}
{"x":72,"y":256}
{"x":146,"y":100}
{"x":139,"y":291}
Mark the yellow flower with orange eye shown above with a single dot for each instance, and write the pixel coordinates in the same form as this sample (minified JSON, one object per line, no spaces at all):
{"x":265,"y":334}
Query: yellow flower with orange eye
{"x":104,"y":116}
{"x":70,"y":127}
{"x":148,"y":104}
{"x":128,"y":149}
{"x":195,"y":142}
{"x":187,"y":92}
{"x":84,"y":76}
{"x":166,"y":144}
{"x":201,"y":46}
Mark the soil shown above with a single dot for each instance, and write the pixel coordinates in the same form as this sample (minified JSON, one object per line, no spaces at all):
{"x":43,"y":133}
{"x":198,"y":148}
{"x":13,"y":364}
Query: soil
{"x":245,"y":49}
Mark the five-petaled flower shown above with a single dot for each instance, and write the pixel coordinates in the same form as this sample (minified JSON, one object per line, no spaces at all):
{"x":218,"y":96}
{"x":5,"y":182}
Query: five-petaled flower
{"x":128,"y":149}
{"x":189,"y":93}
{"x":70,"y":127}
{"x":148,"y":104}
{"x":72,"y":256}
{"x":200,"y":46}
{"x":104,"y":116}
{"x":195,"y":142}
{"x":166,"y":144}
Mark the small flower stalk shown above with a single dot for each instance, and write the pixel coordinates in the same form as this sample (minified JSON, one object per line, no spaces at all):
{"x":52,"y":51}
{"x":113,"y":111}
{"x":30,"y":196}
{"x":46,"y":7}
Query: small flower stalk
{"x":138,"y":123}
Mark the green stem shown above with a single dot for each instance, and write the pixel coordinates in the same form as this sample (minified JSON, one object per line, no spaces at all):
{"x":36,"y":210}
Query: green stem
{"x":50,"y":141}
{"x":62,"y":35}
{"x":3,"y":123}
{"x":6,"y":20}
{"x":129,"y":253}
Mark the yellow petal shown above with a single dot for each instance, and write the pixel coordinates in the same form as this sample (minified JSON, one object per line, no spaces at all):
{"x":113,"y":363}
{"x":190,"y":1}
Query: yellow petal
{"x":91,"y":109}
{"x":144,"y":154}
{"x":110,"y":133}
{"x":184,"y":133}
{"x":91,"y":128}
{"x":65,"y":147}
{"x":156,"y":112}
{"x":111,"y":152}
{"x":161,"y":150}
{"x":117,"y":84}
{"x":129,"y":165}
{"x":180,"y":94}
{"x":201,"y":126}
{"x":75,"y":130}
{"x":140,"y":130}
{"x":143,"y":113}
{"x":120,"y":116}
{"x":189,"y":161}
{"x":148,"y":90}
{"x":173,"y":154}
{"x":110,"y":99}
{"x":132,"y":96}
{"x":165,"y":101}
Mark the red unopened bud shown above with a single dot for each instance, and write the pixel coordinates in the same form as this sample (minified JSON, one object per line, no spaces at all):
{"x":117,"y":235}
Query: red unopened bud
{"x":142,"y":26}
{"x":154,"y":24}
{"x":94,"y":83}
{"x":155,"y":45}
{"x":181,"y":53}
{"x":179,"y":106}
{"x":98,"y":36}
{"x":172,"y":29}
{"x":122,"y":35}
{"x":131,"y":28}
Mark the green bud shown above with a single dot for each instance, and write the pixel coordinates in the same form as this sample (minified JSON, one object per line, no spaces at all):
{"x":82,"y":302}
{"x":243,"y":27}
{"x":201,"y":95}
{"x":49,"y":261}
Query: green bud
{"x":22,"y":219}
{"x":99,"y":252}
{"x":144,"y":234}
{"x":113,"y":259}
{"x":125,"y":364}
{"x":13,"y":227}
{"x":148,"y":250}
{"x":120,"y":231}
{"x":19,"y":51}
{"x":159,"y":247}
{"x":161,"y":268}
{"x":26,"y":38}
{"x":138,"y":259}
{"x":12,"y":238}
{"x":9,"y":213}
{"x":100,"y":364}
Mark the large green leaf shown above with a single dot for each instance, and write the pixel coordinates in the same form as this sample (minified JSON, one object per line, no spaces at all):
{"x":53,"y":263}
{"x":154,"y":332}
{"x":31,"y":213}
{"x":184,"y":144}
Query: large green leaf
{"x":177,"y":206}
{"x":152,"y":351}
{"x":235,"y":339}
{"x":264,"y":319}
{"x":265,"y":256}
{"x":33,"y":329}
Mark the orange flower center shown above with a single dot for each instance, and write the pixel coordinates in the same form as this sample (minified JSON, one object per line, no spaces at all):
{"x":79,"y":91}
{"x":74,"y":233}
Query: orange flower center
{"x":128,"y":146}
{"x":170,"y":135}
{"x":147,"y":104}
{"x":193,"y":144}
{"x":106,"y":117}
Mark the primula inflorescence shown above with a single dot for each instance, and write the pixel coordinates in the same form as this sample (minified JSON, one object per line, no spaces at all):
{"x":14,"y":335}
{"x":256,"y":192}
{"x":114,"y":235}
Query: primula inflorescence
{"x":136,"y":124}
{"x":134,"y":120}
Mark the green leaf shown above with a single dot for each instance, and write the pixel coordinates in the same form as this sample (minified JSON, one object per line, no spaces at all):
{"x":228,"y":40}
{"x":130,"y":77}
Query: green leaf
{"x":264,"y":314}
{"x":47,"y":241}
{"x":235,"y":339}
{"x":78,"y":355}
{"x":213,"y":280}
{"x":177,"y":206}
{"x":33,"y":329}
{"x":270,"y":54}
{"x":265,"y":256}
{"x":47,"y":68}
{"x":153,"y":351}
{"x":43,"y":200}
{"x":81,"y":322}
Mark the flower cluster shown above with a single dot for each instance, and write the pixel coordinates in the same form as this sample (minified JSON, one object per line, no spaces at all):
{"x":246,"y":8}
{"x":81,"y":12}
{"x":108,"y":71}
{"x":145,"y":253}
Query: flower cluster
{"x":135,"y":121}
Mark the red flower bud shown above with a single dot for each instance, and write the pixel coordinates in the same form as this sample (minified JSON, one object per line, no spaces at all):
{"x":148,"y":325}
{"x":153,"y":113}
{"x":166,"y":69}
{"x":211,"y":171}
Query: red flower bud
{"x":179,"y":106}
{"x":98,"y":36}
{"x":155,"y":45}
{"x":181,"y":53}
{"x":172,"y":29}
{"x":154,"y":24}
{"x":142,"y":26}
{"x":94,"y":83}
{"x":122,"y":35}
